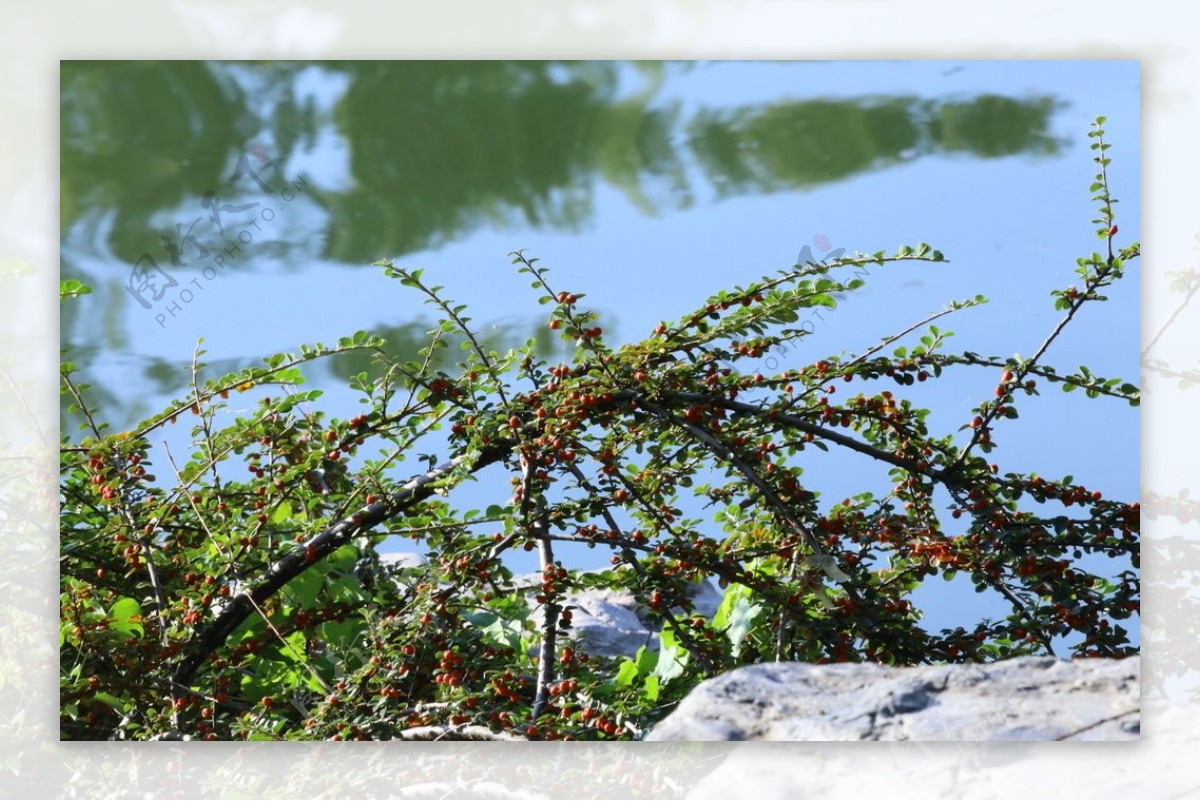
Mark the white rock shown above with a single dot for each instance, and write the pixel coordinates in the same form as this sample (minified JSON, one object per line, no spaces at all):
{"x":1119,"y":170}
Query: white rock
{"x":604,"y":623}
{"x":1036,"y":698}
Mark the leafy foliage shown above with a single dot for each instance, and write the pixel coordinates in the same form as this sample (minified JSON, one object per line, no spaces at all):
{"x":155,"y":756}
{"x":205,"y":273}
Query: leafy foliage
{"x":239,"y":592}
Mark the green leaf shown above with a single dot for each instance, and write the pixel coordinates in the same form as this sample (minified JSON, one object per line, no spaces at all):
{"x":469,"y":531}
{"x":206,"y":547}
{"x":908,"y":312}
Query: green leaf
{"x":672,"y":658}
{"x":304,"y":588}
{"x":111,"y":700}
{"x":645,"y":660}
{"x":736,"y":615}
{"x":626,"y":673}
{"x":501,"y":631}
{"x":341,"y":634}
{"x":72,"y":288}
{"x":297,"y":646}
{"x":282,"y":513}
{"x":125,"y":616}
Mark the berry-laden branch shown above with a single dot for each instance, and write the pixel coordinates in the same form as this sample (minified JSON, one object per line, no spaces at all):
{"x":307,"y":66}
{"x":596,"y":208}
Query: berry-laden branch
{"x":1097,"y":274}
{"x":301,"y":558}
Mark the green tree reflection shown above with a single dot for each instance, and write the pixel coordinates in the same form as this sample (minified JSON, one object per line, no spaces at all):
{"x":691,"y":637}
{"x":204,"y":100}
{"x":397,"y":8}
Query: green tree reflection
{"x":435,"y":151}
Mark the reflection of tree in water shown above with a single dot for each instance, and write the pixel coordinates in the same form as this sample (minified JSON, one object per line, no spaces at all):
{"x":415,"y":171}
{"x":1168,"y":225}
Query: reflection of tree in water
{"x":442,"y":148}
{"x":469,"y":145}
{"x":795,"y":144}
{"x":140,"y":137}
{"x":438,"y":150}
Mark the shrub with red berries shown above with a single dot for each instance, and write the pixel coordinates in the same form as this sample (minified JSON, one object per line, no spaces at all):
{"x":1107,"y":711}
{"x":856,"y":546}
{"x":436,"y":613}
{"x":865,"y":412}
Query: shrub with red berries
{"x":242,"y":593}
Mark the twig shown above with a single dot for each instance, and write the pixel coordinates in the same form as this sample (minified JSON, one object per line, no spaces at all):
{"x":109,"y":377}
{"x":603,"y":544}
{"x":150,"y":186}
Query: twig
{"x":799,"y":423}
{"x":83,"y":407}
{"x":889,"y":340}
{"x":1012,"y":598}
{"x":1195,"y":287}
{"x":25,"y":404}
{"x":288,"y":646}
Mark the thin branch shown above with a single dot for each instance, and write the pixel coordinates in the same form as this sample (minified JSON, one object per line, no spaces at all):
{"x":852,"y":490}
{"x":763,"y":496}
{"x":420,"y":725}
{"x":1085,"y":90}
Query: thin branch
{"x":195,"y":508}
{"x":25,"y":404}
{"x":889,"y":340}
{"x":1192,"y":290}
{"x":83,"y":407}
{"x":410,"y":280}
{"x":1069,"y":735}
{"x":784,"y":622}
{"x":245,"y":383}
{"x":1103,"y":276}
{"x":1000,"y":587}
{"x":536,"y":525}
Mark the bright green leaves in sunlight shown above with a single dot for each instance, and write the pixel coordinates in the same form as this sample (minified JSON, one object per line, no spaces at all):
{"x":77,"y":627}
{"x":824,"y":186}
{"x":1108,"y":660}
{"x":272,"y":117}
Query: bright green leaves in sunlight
{"x":736,"y":616}
{"x":125,"y":617}
{"x":72,"y":288}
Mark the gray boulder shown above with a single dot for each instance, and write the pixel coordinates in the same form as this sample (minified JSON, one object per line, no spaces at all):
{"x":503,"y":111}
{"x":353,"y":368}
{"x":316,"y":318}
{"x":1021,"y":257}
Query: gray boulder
{"x":605,"y":623}
{"x":611,"y":623}
{"x":1032,"y":698}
